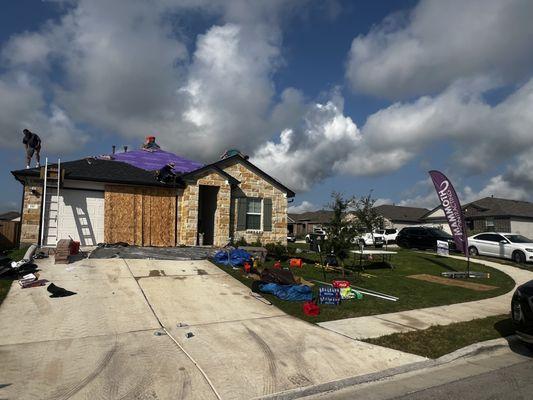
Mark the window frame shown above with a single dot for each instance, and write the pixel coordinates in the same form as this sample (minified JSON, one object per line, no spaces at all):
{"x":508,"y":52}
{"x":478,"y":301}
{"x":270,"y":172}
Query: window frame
{"x":260,"y":213}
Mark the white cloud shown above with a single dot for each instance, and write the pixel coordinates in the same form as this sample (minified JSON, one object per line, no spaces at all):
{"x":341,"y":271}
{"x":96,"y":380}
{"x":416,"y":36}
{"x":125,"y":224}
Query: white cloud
{"x":22,"y":105}
{"x":304,"y":206}
{"x":381,"y":201}
{"x":440,"y":41}
{"x":312,"y":150}
{"x":482,"y":134}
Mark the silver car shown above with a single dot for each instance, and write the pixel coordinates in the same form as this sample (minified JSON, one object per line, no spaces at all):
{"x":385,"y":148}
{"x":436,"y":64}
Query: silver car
{"x":503,"y":245}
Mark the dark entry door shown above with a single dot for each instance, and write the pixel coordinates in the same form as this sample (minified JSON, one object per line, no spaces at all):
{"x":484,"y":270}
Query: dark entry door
{"x":207,"y":207}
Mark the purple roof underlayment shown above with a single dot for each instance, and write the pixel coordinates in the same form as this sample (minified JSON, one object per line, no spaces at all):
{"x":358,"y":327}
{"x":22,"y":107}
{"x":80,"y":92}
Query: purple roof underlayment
{"x":157,"y":159}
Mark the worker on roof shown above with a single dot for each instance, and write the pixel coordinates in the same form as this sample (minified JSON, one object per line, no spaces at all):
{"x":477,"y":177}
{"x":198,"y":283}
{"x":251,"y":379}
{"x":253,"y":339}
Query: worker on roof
{"x":32,"y":141}
{"x":166,"y":174}
{"x":150,"y":144}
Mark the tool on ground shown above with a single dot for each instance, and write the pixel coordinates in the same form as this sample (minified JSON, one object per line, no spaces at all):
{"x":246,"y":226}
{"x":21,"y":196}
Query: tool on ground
{"x":295,"y":263}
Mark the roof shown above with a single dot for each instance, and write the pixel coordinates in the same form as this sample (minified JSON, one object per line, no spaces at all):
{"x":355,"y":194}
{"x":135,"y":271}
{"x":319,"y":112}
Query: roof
{"x":317,"y":217}
{"x":257,"y":170}
{"x":192,"y":175}
{"x":97,"y":170}
{"x":9,"y":216}
{"x":497,"y":207}
{"x":156,"y":159}
{"x":401,"y":213}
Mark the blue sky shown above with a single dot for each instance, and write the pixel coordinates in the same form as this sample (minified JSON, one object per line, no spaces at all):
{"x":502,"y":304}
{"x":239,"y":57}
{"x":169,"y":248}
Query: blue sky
{"x":346,"y":96}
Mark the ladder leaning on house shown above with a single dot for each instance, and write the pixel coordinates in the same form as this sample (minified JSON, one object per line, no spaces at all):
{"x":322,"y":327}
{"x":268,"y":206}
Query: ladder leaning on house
{"x":52,"y":176}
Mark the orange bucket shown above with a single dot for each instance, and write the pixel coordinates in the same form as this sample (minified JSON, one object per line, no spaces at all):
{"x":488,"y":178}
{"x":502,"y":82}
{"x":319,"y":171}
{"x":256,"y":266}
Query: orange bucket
{"x":296,"y":263}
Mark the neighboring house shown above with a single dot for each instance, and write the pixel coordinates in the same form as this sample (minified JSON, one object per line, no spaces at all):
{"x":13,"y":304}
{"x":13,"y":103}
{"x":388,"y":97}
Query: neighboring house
{"x":10,"y":216}
{"x":118,"y":199}
{"x":491,"y":214}
{"x":304,"y":223}
{"x":399,"y":216}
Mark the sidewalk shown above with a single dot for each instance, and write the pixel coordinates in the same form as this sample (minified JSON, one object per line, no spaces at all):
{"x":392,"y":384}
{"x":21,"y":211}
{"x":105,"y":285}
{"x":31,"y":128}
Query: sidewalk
{"x":406,"y":321}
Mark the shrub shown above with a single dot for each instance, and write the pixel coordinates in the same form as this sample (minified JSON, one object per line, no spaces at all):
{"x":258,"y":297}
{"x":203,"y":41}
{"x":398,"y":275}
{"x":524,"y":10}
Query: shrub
{"x":277,"y":250}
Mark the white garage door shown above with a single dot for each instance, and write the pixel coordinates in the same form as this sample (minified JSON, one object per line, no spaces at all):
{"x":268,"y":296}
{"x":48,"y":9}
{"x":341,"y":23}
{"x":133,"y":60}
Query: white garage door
{"x":81,"y":216}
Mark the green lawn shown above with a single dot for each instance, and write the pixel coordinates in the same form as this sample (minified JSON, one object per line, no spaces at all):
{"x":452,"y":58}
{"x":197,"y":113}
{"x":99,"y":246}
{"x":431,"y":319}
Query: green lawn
{"x":437,"y":341}
{"x":412,"y":293}
{"x":5,"y":283}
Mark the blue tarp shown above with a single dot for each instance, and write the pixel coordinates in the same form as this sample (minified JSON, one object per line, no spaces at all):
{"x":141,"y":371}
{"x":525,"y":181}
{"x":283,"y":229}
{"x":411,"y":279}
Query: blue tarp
{"x":288,"y":292}
{"x":236,"y":257}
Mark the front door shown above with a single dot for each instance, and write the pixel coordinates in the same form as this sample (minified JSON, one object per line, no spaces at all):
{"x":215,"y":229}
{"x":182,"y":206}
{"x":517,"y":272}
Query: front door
{"x":207,"y":207}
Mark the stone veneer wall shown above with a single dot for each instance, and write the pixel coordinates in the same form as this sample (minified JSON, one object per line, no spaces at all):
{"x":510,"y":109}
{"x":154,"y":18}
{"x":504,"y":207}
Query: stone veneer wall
{"x":188,"y":215}
{"x":31,"y":213}
{"x":253,"y":185}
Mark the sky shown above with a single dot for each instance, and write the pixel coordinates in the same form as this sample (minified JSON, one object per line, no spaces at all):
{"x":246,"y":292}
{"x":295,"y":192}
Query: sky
{"x":346,"y":96}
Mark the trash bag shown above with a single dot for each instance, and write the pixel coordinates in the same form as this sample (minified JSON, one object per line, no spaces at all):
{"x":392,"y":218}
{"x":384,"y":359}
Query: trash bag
{"x":288,"y":292}
{"x":281,"y":276}
{"x":232,"y":258}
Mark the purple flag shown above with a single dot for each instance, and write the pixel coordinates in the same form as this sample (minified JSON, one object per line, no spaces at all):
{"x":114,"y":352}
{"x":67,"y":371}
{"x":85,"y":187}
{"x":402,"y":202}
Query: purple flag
{"x":452,"y":209}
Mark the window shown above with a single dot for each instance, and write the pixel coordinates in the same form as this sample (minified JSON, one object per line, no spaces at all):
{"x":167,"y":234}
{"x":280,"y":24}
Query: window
{"x":489,"y":224}
{"x":253,"y":214}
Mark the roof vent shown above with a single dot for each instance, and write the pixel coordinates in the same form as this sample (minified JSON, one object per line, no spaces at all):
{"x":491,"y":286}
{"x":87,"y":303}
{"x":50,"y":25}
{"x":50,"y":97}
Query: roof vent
{"x":125,"y":149}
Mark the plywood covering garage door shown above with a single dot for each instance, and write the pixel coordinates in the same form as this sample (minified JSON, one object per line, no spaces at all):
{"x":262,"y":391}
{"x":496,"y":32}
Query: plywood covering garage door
{"x":140,"y":216}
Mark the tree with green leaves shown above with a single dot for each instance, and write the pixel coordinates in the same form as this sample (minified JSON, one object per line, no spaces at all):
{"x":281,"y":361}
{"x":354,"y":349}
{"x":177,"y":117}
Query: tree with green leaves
{"x":341,"y":230}
{"x":367,"y":218}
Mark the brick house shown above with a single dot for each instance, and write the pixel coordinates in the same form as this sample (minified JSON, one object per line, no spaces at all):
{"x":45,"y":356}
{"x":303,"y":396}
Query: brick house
{"x":117,"y":198}
{"x":491,"y":214}
{"x":304,"y":223}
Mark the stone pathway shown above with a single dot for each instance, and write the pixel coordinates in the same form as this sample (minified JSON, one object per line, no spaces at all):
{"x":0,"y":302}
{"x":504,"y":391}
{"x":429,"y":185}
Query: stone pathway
{"x":406,"y":321}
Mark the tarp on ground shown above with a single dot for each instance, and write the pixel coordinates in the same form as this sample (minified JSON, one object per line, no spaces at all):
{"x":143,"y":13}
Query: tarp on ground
{"x":288,"y":292}
{"x":233,"y":257}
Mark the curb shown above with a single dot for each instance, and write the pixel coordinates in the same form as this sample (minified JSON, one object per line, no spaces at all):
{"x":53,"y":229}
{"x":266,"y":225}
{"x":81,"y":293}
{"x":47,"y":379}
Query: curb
{"x":468,"y":351}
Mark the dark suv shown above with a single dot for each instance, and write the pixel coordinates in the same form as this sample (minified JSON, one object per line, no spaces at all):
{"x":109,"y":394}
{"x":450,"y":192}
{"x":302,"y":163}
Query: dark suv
{"x":422,"y":238}
{"x":522,"y":312}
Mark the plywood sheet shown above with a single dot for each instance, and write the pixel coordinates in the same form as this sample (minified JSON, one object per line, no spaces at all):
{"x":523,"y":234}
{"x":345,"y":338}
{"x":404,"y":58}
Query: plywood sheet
{"x":140,"y":216}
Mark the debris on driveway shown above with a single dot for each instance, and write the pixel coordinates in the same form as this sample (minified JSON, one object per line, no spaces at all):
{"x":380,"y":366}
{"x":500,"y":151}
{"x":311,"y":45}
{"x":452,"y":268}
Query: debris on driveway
{"x":58,"y":291}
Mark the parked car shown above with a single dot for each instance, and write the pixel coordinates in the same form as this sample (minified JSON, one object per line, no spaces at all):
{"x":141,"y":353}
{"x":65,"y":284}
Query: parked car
{"x":370,"y":239}
{"x":291,"y":238}
{"x":522,"y":312}
{"x":504,"y":245}
{"x":423,"y":238}
{"x":389,"y":235}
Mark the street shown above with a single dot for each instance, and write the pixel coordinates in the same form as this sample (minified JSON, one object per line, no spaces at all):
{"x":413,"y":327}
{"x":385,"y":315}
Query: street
{"x":501,"y":374}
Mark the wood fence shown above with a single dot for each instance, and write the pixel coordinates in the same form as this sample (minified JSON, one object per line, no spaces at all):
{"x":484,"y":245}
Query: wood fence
{"x":9,"y":233}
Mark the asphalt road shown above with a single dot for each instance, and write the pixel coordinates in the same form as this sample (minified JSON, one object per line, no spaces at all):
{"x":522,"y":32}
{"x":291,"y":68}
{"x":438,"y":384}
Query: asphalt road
{"x":504,"y":373}
{"x":514,"y":382}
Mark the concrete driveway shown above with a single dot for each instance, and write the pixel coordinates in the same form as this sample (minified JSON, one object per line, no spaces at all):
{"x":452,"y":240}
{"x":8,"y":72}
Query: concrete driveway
{"x":102,"y":343}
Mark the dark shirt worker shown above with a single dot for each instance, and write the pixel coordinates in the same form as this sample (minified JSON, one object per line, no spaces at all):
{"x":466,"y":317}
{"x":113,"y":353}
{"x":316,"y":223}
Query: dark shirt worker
{"x":32,"y":141}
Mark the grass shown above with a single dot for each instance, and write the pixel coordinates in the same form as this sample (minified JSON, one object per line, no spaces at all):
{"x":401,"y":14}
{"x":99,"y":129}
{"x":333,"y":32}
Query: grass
{"x":5,"y":283}
{"x":412,"y":293}
{"x":527,"y":266}
{"x":437,"y":341}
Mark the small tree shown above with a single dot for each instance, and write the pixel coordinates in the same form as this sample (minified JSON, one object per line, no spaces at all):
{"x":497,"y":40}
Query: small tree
{"x":368,"y":218}
{"x":341,"y":230}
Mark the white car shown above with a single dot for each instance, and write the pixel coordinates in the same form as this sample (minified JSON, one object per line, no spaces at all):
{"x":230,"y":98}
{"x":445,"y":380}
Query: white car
{"x":504,"y":245}
{"x":317,"y":232}
{"x":371,"y":239}
{"x":389,"y":234}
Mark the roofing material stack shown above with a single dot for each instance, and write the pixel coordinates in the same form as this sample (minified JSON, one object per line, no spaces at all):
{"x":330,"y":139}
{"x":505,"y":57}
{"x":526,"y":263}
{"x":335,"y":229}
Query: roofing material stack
{"x":62,"y":251}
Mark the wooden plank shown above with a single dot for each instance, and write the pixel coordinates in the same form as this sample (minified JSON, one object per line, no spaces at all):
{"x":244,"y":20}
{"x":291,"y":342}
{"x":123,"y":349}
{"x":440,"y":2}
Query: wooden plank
{"x":119,"y":214}
{"x":146,"y":220}
{"x":138,"y":217}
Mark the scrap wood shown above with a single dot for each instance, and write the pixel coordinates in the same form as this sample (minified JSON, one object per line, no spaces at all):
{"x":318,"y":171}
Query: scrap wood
{"x":478,"y":287}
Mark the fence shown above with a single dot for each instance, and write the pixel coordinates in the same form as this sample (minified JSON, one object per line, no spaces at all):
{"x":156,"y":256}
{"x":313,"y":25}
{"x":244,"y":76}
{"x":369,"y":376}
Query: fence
{"x":9,"y":232}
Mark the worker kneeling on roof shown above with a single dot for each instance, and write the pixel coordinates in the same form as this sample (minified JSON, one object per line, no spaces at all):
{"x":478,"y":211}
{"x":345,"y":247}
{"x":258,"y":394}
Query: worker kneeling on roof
{"x":166,"y":174}
{"x":32,"y":141}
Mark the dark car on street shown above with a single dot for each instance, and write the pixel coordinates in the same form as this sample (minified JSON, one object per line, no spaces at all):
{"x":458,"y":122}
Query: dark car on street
{"x":423,"y":238}
{"x":522,"y":312}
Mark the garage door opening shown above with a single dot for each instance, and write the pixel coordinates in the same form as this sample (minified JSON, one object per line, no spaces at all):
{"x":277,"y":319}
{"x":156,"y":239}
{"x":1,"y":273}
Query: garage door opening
{"x":207,"y":207}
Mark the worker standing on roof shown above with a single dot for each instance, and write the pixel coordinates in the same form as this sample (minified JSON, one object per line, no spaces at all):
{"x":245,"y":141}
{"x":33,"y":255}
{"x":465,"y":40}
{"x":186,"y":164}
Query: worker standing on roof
{"x":32,"y":141}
